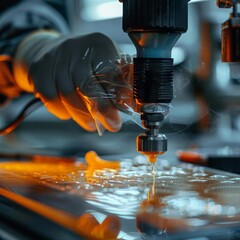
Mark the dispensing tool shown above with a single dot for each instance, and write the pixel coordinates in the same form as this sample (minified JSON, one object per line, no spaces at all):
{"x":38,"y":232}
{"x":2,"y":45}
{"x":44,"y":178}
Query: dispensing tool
{"x":154,"y":26}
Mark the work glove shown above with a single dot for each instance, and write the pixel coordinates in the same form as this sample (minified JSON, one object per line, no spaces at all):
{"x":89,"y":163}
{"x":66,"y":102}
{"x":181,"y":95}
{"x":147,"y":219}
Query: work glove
{"x":80,"y":77}
{"x":8,"y":88}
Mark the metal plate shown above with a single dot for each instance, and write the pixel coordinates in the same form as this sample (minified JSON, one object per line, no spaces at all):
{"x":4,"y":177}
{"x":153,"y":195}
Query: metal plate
{"x":181,"y":201}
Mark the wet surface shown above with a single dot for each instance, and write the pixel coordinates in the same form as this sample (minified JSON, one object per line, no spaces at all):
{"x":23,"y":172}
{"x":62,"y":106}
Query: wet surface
{"x":174,"y":199}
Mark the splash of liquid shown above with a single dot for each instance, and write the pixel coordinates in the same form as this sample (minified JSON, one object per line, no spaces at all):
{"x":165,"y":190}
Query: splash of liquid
{"x":94,"y":162}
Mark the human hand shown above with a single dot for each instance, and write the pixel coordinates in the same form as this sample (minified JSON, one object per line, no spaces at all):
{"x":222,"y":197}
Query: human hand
{"x":76,"y":77}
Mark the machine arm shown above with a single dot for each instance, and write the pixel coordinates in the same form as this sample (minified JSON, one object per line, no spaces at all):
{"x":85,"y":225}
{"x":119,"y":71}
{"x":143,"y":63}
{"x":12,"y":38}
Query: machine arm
{"x":154,"y":26}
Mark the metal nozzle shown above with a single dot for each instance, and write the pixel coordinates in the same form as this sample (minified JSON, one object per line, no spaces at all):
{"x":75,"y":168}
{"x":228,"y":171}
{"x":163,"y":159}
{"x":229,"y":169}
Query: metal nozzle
{"x":155,"y":144}
{"x":152,"y":141}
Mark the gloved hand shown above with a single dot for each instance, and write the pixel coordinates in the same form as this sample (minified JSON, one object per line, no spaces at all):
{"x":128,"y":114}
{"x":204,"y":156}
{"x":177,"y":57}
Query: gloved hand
{"x":75,"y":77}
{"x":8,"y":89}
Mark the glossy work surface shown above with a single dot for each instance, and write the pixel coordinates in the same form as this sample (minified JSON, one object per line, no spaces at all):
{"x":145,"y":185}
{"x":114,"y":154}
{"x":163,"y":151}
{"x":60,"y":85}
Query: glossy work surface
{"x":125,"y":200}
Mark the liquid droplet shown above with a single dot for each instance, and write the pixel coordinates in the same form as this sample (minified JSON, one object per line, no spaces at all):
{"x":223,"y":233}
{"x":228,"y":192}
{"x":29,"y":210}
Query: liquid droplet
{"x":153,"y":168}
{"x":152,"y":158}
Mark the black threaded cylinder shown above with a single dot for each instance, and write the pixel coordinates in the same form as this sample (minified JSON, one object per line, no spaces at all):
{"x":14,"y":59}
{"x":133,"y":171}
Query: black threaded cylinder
{"x":153,"y":80}
{"x":155,"y":15}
